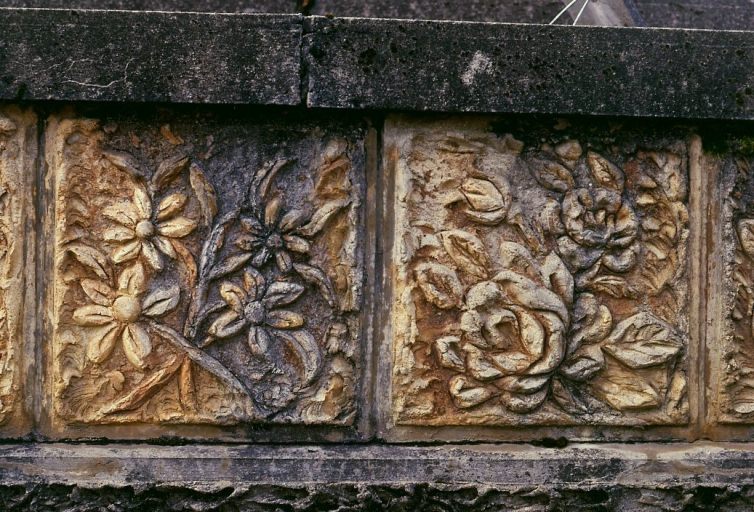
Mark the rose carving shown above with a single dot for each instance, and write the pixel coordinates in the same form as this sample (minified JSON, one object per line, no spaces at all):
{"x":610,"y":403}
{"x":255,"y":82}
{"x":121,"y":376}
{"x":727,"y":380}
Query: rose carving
{"x":514,"y":331}
{"x":601,"y":228}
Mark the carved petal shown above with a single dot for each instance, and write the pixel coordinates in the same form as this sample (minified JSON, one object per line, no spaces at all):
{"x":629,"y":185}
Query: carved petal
{"x":306,"y":349}
{"x":605,"y":173}
{"x":171,"y":205}
{"x":151,"y":255}
{"x":93,"y":315}
{"x":261,"y":257}
{"x":620,"y":261}
{"x":532,"y":334}
{"x":465,"y":394}
{"x":483,"y":195}
{"x":283,"y":261}
{"x":292,"y":220}
{"x":577,"y":257}
{"x":527,"y":403}
{"x":253,"y":283}
{"x":176,"y":228}
{"x":296,"y":244}
{"x":98,"y":292}
{"x":102,"y":342}
{"x":132,"y":280}
{"x":143,"y":203}
{"x":557,"y":277}
{"x":123,"y":212}
{"x":127,"y":252}
{"x":527,"y":293}
{"x":448,"y":353}
{"x":228,"y":324}
{"x":281,"y":293}
{"x":118,"y":234}
{"x":164,"y":246}
{"x":252,"y":225}
{"x":136,"y":344}
{"x":555,"y":346}
{"x":272,"y":212}
{"x":233,"y":296}
{"x":258,"y":340}
{"x":162,"y":301}
{"x":478,"y":365}
{"x":280,"y":319}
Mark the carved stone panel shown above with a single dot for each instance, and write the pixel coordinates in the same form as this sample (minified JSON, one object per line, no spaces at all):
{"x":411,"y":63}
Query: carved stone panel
{"x":18,"y":131}
{"x":540,"y":276}
{"x":205,"y":271}
{"x":731,"y":302}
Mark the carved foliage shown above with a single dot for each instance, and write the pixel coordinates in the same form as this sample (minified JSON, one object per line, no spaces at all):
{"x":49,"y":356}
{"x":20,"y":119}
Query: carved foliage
{"x":14,"y":149}
{"x":541,"y":284}
{"x":178,"y":302}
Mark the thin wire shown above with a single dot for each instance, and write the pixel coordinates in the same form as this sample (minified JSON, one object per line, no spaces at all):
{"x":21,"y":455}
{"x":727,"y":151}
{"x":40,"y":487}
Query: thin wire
{"x":586,"y":2}
{"x":561,"y":13}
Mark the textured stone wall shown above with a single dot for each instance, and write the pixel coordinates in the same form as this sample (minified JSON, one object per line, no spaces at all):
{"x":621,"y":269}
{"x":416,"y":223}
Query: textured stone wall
{"x":342,"y":264}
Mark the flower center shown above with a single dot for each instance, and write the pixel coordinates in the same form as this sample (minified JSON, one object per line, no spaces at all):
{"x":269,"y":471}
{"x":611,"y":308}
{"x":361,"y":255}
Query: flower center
{"x":274,"y":241}
{"x":126,"y":309}
{"x":254,"y":312}
{"x":144,"y":229}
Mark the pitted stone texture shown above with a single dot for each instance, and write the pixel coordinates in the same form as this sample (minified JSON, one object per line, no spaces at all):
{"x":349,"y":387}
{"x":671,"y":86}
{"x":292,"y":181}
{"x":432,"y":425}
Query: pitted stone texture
{"x":207,"y":270}
{"x":539,"y":277}
{"x":229,"y":6}
{"x":18,"y":131}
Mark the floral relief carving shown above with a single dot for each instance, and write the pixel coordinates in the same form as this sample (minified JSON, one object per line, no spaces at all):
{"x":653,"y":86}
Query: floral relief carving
{"x":538,"y":285}
{"x":16,"y":151}
{"x":180,"y":302}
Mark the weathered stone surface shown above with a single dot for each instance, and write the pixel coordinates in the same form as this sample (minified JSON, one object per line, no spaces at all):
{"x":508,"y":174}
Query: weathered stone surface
{"x":205,"y":270}
{"x":440,"y":66}
{"x":605,"y":12}
{"x":112,"y":56}
{"x":18,"y":151}
{"x":580,"y":477}
{"x":717,"y":15}
{"x":230,"y":6}
{"x":539,"y":277}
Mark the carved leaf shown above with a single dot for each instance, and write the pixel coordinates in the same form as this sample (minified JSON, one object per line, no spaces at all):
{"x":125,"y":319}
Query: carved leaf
{"x":169,"y":170}
{"x":307,"y":351}
{"x":318,"y":278}
{"x":568,"y":398}
{"x":161,"y":301}
{"x":440,"y":285}
{"x":91,"y":258}
{"x":605,"y":173}
{"x":230,"y":265}
{"x":626,"y":391}
{"x":643,"y":341}
{"x":615,"y":286}
{"x":322,"y":215}
{"x":746,"y":236}
{"x":552,"y":175}
{"x":145,"y":389}
{"x":483,"y":195}
{"x":582,"y":368}
{"x":205,"y":193}
{"x":466,"y":251}
{"x":124,"y":162}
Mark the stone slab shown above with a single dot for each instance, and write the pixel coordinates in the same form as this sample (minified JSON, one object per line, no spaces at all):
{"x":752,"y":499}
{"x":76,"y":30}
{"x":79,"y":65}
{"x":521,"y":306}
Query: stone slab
{"x":446,"y":66}
{"x":541,"y":277}
{"x":236,"y":6}
{"x":18,"y":154}
{"x":578,"y":477}
{"x":206,"y":270}
{"x":717,"y":15}
{"x":113,"y":56}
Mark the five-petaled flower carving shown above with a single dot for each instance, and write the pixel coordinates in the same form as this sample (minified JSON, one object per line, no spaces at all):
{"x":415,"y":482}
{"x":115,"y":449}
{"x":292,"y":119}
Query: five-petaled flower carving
{"x":144,"y":232}
{"x":117,"y":314}
{"x":275,"y":235}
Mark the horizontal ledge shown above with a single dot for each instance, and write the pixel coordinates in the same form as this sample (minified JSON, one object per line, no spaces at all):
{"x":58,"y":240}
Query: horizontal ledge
{"x":472,"y":67}
{"x":386,"y":64}
{"x":128,"y":56}
{"x":209,"y":467}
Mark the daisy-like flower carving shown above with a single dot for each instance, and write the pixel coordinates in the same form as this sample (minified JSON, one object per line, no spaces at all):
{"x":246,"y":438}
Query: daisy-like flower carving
{"x":255,"y":306}
{"x":277,"y":235}
{"x":144,"y":232}
{"x":119,"y":315}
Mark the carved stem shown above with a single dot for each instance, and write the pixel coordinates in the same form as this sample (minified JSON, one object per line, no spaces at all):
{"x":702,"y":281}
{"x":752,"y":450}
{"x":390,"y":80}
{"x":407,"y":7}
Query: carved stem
{"x":203,"y":359}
